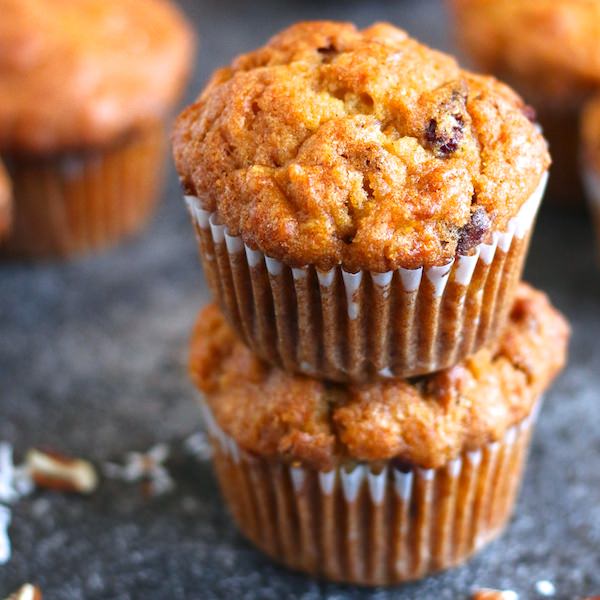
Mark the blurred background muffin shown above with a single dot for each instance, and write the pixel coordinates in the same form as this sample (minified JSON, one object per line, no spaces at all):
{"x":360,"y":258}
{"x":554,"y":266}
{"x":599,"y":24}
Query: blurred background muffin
{"x":549,"y":50}
{"x":85,"y":87}
{"x":5,"y":202}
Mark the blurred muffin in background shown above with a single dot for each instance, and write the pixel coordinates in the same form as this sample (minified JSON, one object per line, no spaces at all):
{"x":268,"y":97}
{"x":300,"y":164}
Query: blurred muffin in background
{"x":85,"y":88}
{"x":590,"y":157}
{"x":549,"y":50}
{"x":5,"y":203}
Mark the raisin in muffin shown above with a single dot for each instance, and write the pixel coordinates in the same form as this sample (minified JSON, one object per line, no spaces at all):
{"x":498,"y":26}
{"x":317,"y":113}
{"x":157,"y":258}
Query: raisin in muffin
{"x":85,"y":87}
{"x":333,"y":173}
{"x":328,"y":457}
{"x":549,"y":50}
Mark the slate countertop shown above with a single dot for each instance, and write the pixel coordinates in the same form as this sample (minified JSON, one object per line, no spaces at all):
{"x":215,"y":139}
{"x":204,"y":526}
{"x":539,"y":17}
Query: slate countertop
{"x":92,"y":362}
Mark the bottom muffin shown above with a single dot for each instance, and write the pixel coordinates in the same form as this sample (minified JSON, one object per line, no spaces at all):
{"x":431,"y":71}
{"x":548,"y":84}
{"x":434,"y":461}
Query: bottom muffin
{"x":379,"y":483}
{"x":84,"y":200}
{"x":590,"y":159}
{"x":5,"y":203}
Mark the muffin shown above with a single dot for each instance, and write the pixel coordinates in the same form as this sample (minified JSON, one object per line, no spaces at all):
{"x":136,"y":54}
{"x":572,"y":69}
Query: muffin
{"x":5,"y":203}
{"x":549,"y":50}
{"x":380,"y":483}
{"x":590,"y":157}
{"x":85,"y":87}
{"x":363,"y":205}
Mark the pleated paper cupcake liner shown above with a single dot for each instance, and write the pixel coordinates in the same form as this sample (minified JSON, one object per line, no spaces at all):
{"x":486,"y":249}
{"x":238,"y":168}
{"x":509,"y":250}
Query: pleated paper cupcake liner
{"x":363,"y":326}
{"x":78,"y":202}
{"x":372,"y":525}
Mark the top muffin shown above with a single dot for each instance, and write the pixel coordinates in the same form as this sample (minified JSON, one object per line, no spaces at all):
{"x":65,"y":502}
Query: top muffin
{"x":551,"y":48}
{"x":363,"y":148}
{"x":81,"y":72}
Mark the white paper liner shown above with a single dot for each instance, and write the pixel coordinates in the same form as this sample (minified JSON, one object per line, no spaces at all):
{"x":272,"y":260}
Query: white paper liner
{"x":372,"y":526}
{"x":74,"y":203}
{"x":285,"y":314}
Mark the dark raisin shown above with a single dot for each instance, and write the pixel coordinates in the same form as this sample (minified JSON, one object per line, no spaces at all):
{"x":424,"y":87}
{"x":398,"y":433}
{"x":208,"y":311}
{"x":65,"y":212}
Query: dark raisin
{"x":447,"y":117}
{"x":328,"y":53}
{"x":530,"y":113}
{"x":473,"y":233}
{"x":445,"y":137}
{"x":401,"y":465}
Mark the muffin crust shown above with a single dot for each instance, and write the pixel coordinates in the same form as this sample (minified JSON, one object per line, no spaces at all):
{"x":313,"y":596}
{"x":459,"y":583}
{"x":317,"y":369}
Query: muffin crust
{"x":549,"y":49}
{"x":331,"y":146}
{"x":424,"y":422}
{"x":75,"y":73}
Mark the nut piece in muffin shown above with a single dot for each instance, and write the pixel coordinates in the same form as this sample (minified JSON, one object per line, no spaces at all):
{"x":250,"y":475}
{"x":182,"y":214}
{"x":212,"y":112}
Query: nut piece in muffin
{"x":331,"y":145}
{"x":381,"y":483}
{"x":425,"y":422}
{"x":5,"y":202}
{"x":85,"y":88}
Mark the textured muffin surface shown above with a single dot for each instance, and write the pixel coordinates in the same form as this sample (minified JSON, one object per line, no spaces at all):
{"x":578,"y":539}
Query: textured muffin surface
{"x":331,"y":145}
{"x":75,"y":73}
{"x":424,"y":422}
{"x":590,"y":134}
{"x":549,"y":49}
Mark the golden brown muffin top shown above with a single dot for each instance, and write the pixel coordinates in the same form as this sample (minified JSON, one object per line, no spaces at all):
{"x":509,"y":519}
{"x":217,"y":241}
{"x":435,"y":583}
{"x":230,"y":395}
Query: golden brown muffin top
{"x":549,"y":49}
{"x":424,"y":422}
{"x":5,"y":201}
{"x":590,"y":133}
{"x":331,"y":145}
{"x":75,"y":73}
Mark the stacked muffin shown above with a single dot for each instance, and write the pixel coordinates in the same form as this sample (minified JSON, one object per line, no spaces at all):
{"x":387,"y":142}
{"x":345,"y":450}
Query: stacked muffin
{"x":372,"y":371}
{"x":85,"y":89}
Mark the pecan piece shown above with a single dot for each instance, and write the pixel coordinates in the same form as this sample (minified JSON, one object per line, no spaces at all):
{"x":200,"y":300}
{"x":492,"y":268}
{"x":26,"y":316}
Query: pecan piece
{"x":55,"y":471}
{"x":489,"y":594}
{"x":26,"y":592}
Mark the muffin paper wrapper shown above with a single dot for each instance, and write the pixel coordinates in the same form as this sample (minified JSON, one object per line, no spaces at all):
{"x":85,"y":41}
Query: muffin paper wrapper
{"x":82,"y":201}
{"x":367,"y":525}
{"x":364,"y":326}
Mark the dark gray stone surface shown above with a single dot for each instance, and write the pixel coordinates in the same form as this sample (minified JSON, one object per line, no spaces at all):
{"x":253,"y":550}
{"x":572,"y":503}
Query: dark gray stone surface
{"x":92,"y":362}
